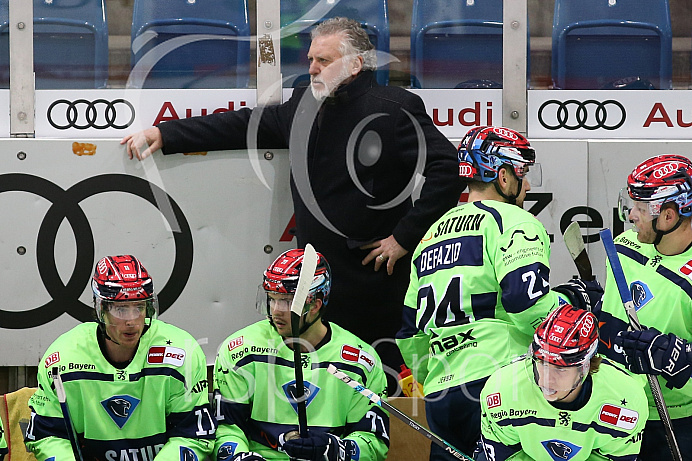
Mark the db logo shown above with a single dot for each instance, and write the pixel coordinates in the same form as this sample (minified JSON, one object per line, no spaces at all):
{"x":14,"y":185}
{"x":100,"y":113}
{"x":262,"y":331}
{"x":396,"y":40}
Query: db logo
{"x":466,"y":170}
{"x":493,"y":400}
{"x":235,"y":342}
{"x":52,"y":359}
{"x":618,"y":416}
{"x":666,"y":169}
{"x":505,"y":133}
{"x":166,"y":354}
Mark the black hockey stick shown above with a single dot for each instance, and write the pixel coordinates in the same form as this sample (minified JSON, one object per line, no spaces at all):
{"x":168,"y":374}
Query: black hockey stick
{"x":575,"y":245}
{"x":374,"y":398}
{"x":307,"y":274}
{"x":71,"y":433}
{"x":626,"y":297}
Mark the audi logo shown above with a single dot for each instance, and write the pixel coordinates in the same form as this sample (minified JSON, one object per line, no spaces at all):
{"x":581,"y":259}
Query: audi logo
{"x":65,"y":206}
{"x":589,"y":114}
{"x":465,"y":170}
{"x":505,"y":133}
{"x":667,"y":169}
{"x":83,"y":114}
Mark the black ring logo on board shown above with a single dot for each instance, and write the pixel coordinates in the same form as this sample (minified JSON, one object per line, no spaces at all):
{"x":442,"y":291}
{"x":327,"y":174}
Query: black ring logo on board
{"x":83,"y":114}
{"x":65,"y":205}
{"x":589,"y":114}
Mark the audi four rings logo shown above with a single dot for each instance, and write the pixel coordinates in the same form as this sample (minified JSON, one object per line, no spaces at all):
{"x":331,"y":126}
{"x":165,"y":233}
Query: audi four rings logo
{"x":589,"y":114}
{"x":506,"y":133}
{"x":65,"y":206}
{"x":666,"y":169}
{"x":83,"y":114}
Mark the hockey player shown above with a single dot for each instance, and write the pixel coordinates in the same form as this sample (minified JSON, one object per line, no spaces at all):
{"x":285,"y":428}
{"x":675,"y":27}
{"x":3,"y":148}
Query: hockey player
{"x":3,"y":442}
{"x":136,"y":388}
{"x":254,"y":380}
{"x":656,"y":257}
{"x":479,"y":285}
{"x":560,"y":401}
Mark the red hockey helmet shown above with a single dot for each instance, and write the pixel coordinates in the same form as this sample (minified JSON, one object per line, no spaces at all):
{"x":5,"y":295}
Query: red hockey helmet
{"x":568,"y":337}
{"x":658,"y":180}
{"x":282,"y":277}
{"x":122,"y":279}
{"x":484,"y":150}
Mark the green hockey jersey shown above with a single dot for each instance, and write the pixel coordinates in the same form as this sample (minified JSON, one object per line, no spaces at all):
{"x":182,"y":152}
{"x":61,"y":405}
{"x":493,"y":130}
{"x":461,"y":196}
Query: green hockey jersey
{"x":3,"y":442}
{"x":661,"y":288}
{"x":254,"y":385}
{"x":478,"y":290}
{"x":156,"y":407}
{"x":518,"y":423}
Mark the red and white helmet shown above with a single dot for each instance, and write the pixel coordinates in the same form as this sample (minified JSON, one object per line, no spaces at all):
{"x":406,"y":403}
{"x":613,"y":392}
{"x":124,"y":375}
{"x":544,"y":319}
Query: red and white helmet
{"x":282,"y":276}
{"x":122,"y":279}
{"x":658,"y":180}
{"x":568,"y":337}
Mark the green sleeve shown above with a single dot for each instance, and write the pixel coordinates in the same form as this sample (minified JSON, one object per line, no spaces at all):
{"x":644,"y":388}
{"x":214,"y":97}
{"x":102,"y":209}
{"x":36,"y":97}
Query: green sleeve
{"x":44,"y":405}
{"x":191,"y":400}
{"x":231,"y":390}
{"x":370,"y":442}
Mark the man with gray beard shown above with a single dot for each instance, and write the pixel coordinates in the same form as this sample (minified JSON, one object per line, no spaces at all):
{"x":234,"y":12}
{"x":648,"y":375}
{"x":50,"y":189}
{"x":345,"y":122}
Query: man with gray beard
{"x":362,"y":146}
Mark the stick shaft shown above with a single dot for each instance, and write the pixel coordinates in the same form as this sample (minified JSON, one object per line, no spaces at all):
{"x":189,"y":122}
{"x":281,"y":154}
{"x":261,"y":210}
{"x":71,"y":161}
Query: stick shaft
{"x":377,"y":400}
{"x":626,"y":297}
{"x":62,"y":399}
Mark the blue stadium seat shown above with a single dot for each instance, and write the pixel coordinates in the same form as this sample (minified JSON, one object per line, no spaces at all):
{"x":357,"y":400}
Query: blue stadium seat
{"x":190,"y":44}
{"x":456,"y":43}
{"x":299,"y":16}
{"x":70,"y":44}
{"x":596,"y":42}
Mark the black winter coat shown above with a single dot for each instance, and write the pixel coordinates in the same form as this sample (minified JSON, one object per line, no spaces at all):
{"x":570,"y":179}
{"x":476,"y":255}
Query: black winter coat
{"x":362,"y":146}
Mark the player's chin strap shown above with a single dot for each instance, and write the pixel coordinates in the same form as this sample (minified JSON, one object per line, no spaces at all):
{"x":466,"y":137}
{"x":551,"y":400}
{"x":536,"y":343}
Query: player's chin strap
{"x":511,"y":199}
{"x":660,"y":233}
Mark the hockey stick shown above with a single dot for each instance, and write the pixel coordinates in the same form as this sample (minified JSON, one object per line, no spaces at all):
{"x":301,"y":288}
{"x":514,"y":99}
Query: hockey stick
{"x":374,"y":398}
{"x":575,"y":245}
{"x":307,"y":274}
{"x":71,"y":433}
{"x":631,"y":311}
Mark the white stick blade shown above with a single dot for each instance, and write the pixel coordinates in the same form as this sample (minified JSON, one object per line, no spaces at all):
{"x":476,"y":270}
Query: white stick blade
{"x":307,"y":275}
{"x":573,"y":239}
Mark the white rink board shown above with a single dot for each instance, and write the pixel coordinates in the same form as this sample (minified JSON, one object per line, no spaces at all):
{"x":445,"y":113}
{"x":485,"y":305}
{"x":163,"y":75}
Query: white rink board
{"x":232,"y":217}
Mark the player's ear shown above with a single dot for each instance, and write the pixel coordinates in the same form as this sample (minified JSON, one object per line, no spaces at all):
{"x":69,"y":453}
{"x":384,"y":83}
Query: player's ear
{"x":356,"y":65}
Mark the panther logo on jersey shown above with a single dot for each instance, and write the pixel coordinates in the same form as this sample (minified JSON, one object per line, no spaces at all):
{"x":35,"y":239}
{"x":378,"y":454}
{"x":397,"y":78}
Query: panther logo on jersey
{"x":309,"y":393}
{"x":641,"y":294}
{"x":560,"y":450}
{"x":226,"y":451}
{"x":120,"y":408}
{"x":186,"y":454}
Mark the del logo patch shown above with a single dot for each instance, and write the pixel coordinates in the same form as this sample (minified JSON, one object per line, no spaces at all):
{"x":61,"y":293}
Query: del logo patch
{"x":120,"y":408}
{"x":52,"y":359}
{"x":235,"y":342}
{"x":641,"y":294}
{"x":354,"y":354}
{"x":166,"y":354}
{"x":309,"y":393}
{"x":618,"y":416}
{"x":226,"y":451}
{"x":493,"y":400}
{"x":560,"y":450}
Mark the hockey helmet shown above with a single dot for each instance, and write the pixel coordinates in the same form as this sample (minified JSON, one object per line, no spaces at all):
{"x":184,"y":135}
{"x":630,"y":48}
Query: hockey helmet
{"x":123,"y":288}
{"x":656,"y":181}
{"x":282,"y":277}
{"x":568,"y":337}
{"x":484,"y":150}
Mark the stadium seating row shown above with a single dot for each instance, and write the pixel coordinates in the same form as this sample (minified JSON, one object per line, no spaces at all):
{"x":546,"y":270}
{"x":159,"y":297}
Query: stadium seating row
{"x":454,"y":44}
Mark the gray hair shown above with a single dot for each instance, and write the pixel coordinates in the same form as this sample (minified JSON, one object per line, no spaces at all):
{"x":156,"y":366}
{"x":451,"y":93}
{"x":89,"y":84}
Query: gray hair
{"x":355,"y":40}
